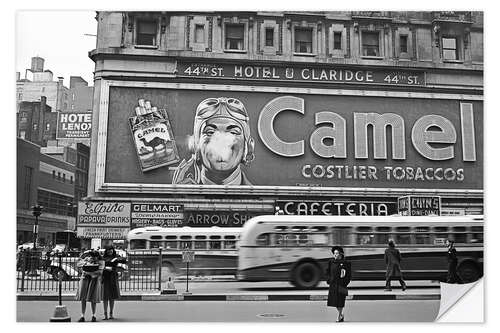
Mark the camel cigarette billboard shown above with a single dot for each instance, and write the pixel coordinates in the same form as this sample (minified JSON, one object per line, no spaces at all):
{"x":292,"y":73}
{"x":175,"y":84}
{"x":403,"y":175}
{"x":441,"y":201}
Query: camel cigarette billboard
{"x":264,"y":139}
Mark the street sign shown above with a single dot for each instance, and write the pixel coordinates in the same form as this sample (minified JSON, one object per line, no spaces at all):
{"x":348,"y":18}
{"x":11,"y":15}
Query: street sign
{"x":187,"y":256}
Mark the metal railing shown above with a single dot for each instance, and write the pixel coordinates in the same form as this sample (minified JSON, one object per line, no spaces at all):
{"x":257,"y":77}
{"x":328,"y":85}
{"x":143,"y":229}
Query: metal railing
{"x":39,"y":272}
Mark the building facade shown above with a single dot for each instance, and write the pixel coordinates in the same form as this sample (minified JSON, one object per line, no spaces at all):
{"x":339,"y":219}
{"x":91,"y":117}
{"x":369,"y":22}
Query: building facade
{"x":36,"y":122}
{"x":46,"y":181}
{"x":337,"y":113}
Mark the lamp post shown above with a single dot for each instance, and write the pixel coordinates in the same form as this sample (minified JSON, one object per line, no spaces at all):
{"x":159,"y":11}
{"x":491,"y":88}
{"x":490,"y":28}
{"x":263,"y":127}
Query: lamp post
{"x":37,"y":211}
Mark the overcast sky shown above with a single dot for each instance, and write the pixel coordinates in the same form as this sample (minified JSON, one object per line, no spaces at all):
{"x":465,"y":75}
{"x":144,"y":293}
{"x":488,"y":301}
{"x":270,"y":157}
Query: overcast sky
{"x":58,"y":37}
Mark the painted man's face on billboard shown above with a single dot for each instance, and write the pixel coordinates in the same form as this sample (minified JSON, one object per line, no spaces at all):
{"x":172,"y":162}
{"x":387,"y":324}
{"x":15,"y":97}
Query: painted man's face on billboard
{"x":221,"y":144}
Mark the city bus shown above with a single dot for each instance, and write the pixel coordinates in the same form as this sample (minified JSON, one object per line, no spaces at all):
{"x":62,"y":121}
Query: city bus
{"x":297,"y":248}
{"x":214,"y":248}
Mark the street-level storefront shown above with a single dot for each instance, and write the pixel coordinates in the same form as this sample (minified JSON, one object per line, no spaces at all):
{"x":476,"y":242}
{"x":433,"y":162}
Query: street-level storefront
{"x":303,"y":140}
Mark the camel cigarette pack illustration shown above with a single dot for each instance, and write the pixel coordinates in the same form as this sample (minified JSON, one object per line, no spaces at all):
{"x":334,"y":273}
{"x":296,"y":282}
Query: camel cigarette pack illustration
{"x":153,"y":137}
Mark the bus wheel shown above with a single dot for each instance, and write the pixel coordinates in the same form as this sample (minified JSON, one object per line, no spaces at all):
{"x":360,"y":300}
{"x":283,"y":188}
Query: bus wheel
{"x":468,"y":272}
{"x":305,"y":275}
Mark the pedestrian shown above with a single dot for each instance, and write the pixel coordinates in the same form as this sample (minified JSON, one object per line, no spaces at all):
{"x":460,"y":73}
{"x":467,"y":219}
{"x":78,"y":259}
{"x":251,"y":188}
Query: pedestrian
{"x":338,"y":276}
{"x":110,"y":287}
{"x":392,"y":259}
{"x":90,"y":286}
{"x":452,"y":263}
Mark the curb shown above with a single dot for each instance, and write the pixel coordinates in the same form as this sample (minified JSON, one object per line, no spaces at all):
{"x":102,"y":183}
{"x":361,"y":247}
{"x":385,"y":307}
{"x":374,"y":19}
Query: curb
{"x":283,"y":297}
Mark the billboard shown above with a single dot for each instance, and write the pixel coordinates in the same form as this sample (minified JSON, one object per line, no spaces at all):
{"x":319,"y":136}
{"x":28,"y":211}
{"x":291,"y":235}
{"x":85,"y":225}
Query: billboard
{"x":412,"y":205}
{"x":229,"y":138}
{"x":103,"y":219}
{"x":74,"y":125}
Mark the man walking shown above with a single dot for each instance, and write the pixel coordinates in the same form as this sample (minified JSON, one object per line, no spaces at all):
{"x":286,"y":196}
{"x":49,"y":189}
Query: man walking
{"x":392,"y":259}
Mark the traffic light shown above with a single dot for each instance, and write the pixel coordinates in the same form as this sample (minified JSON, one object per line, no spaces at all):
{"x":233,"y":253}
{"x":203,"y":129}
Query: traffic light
{"x":37,"y":210}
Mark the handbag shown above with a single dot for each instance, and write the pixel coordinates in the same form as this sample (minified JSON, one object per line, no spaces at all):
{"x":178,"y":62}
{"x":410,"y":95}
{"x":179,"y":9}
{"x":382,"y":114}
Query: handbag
{"x":343,"y":290}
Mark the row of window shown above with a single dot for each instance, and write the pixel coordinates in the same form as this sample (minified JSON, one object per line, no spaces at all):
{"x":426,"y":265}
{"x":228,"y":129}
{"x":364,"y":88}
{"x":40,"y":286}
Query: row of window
{"x":235,"y":39}
{"x":142,"y":244}
{"x":346,"y":237}
{"x":61,"y":178}
{"x":56,"y":203}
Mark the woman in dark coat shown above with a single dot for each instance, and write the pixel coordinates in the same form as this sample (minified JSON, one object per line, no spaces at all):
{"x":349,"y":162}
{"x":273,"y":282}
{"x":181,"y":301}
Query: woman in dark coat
{"x":392,"y":259}
{"x":110,"y":287}
{"x":338,"y":276}
{"x":451,"y":256}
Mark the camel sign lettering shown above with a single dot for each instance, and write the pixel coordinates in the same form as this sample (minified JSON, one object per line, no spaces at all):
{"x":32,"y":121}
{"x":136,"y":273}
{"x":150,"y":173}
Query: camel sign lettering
{"x":153,"y":137}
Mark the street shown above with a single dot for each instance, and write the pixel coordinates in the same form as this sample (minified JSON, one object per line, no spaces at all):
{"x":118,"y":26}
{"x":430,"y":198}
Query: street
{"x":240,"y":311}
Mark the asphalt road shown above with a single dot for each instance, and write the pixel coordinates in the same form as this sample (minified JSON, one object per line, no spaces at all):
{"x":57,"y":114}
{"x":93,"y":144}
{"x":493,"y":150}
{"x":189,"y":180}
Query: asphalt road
{"x":240,"y":311}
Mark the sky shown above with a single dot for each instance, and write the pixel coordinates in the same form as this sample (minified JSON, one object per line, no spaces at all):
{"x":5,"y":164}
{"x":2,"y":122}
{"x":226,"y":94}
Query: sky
{"x":58,"y":37}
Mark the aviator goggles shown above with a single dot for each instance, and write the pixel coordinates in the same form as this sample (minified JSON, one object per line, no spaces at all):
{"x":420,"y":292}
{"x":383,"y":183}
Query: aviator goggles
{"x":211,"y":106}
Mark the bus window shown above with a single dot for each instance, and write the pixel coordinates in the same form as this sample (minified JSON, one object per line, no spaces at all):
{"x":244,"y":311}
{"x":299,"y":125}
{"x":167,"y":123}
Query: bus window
{"x":319,"y":239}
{"x":155,"y":244}
{"x":137,"y":244}
{"x":383,"y":234}
{"x":292,"y":240}
{"x":171,"y":245}
{"x":280,"y":228}
{"x":440,"y":234}
{"x":341,"y":235}
{"x":185,"y":245}
{"x":200,"y":245}
{"x":299,"y":228}
{"x":229,"y":244}
{"x":364,"y":236}
{"x":229,"y":237}
{"x":263,"y":240}
{"x":422,"y":235}
{"x":318,"y":229}
{"x":477,"y":234}
{"x":214,"y":245}
{"x":459,"y":235}
{"x":279,"y":239}
{"x":303,"y":240}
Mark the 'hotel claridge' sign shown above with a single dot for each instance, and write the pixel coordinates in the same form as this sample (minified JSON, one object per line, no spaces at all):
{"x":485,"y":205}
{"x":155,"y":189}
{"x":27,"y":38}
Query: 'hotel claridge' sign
{"x":329,"y":74}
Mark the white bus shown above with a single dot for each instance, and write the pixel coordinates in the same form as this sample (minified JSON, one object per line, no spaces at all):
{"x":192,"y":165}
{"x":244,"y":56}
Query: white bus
{"x":297,"y":248}
{"x":214,"y":247}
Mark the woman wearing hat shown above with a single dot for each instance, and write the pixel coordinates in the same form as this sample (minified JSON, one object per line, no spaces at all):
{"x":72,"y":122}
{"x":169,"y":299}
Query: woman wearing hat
{"x":338,"y":276}
{"x":110,"y":286}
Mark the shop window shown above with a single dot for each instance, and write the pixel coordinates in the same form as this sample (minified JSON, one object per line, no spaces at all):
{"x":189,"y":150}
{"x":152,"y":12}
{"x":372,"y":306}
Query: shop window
{"x":303,"y":40}
{"x":337,"y":40}
{"x":199,"y":33}
{"x":450,"y":49}
{"x":235,"y":37}
{"x":370,"y":44}
{"x":146,"y":32}
{"x":403,"y":44}
{"x":269,"y":37}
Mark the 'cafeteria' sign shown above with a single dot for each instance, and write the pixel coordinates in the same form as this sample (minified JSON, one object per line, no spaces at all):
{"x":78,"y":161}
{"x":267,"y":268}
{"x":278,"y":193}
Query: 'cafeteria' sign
{"x":102,"y":233}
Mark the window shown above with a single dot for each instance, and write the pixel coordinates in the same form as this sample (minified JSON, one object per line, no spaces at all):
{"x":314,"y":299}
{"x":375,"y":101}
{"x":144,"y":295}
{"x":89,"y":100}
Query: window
{"x":28,"y":174}
{"x":171,"y":244}
{"x":303,"y":40}
{"x":365,"y":236}
{"x":450,"y":48}
{"x":200,"y":245}
{"x":341,"y":235}
{"x":263,"y":240}
{"x":422,"y":235}
{"x":43,"y":89}
{"x":403,"y":44}
{"x":35,"y":126}
{"x":71,"y":179}
{"x":146,"y":33}
{"x":47,"y":127}
{"x":319,"y":239}
{"x":22,"y":134}
{"x":337,"y":40}
{"x":137,"y":244}
{"x":58,"y":176}
{"x":64,"y":178}
{"x":214,"y":245}
{"x":477,"y":234}
{"x":230,"y":244}
{"x":155,"y":244}
{"x":199,"y":33}
{"x":235,"y":37}
{"x":371,"y":47}
{"x":292,"y":240}
{"x":53,"y":174}
{"x":269,"y":37}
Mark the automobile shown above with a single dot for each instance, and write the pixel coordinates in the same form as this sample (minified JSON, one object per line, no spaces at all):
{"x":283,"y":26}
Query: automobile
{"x":25,"y":246}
